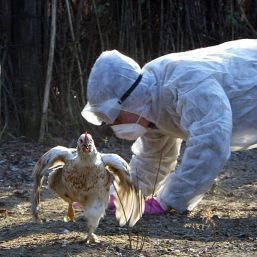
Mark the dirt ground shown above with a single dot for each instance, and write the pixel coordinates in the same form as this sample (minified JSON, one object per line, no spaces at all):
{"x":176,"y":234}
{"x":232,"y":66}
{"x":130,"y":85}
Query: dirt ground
{"x":224,"y":224}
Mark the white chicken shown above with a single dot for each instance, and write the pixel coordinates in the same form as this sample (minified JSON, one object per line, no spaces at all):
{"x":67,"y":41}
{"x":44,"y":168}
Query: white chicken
{"x":84,"y":175}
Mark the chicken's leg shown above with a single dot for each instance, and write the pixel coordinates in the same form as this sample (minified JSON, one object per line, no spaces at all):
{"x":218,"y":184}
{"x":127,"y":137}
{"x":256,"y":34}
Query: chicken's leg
{"x":93,"y":215}
{"x":92,"y":223}
{"x":70,"y":214}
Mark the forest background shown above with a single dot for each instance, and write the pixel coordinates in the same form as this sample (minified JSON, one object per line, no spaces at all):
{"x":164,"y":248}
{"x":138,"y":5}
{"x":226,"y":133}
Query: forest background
{"x":47,"y":48}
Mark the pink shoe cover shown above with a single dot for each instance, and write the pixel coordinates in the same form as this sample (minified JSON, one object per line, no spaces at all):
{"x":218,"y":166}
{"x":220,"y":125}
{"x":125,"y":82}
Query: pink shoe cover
{"x":153,"y":207}
{"x":76,"y":205}
{"x":111,"y":202}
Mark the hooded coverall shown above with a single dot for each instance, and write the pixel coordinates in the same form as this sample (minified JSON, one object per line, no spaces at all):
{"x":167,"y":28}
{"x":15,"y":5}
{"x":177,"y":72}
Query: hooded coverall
{"x":206,"y":97}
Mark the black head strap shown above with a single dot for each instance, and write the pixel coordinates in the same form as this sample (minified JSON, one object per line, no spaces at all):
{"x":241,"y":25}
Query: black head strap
{"x":129,"y":91}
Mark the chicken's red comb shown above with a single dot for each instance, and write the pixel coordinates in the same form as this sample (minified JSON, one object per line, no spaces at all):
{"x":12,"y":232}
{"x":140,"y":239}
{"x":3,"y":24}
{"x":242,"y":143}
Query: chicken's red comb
{"x":87,"y":135}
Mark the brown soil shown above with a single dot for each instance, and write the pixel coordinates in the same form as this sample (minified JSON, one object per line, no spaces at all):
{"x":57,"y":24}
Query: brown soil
{"x":224,"y":224}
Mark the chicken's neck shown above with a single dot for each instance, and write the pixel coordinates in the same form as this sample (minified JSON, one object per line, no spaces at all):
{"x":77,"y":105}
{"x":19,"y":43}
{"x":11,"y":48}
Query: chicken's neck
{"x":89,"y":159}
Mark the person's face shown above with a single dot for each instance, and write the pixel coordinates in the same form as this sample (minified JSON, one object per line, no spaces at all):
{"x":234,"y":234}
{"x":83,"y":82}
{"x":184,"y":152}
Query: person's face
{"x":128,"y":117}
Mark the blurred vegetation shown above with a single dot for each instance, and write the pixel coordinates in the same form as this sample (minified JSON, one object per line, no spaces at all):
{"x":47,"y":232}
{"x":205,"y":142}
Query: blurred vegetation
{"x":141,"y":29}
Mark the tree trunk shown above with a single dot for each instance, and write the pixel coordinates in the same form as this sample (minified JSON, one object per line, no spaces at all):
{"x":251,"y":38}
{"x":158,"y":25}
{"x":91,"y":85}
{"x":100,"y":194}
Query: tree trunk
{"x":27,"y":61}
{"x":49,"y":73}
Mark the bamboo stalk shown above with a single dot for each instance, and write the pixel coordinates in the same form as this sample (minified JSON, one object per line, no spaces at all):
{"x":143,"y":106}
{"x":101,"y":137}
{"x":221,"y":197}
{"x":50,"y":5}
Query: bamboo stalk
{"x":160,"y":50}
{"x":141,"y":41}
{"x":150,"y":50}
{"x":232,"y":22}
{"x":121,"y":32}
{"x":8,"y":93}
{"x":78,"y":17}
{"x":99,"y":27}
{"x":1,"y":82}
{"x":254,"y":31}
{"x":77,"y":49}
{"x":69,"y":88}
{"x":189,"y":25}
{"x":49,"y":73}
{"x":178,"y":31}
{"x":171,"y":31}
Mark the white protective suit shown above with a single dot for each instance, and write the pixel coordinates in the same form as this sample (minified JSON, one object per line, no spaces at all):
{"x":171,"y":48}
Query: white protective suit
{"x":207,"y":97}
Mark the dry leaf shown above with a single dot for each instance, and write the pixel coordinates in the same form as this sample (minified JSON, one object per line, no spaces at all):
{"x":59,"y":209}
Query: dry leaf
{"x":3,"y":213}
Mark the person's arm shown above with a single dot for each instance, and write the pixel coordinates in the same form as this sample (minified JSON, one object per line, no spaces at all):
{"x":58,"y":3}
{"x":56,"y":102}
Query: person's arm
{"x":147,"y":170}
{"x":207,"y":118}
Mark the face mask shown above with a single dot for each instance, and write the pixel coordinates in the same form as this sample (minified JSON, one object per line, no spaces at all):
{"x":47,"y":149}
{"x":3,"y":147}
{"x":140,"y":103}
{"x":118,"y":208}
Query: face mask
{"x":129,"y":131}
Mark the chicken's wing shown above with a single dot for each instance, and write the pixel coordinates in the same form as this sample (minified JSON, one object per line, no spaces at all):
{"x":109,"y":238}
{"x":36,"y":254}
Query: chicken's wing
{"x":129,"y":200}
{"x":55,"y":158}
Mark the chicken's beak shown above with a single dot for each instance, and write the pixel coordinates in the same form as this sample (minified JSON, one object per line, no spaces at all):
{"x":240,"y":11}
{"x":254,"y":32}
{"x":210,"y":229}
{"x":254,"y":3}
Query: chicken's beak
{"x":86,"y":148}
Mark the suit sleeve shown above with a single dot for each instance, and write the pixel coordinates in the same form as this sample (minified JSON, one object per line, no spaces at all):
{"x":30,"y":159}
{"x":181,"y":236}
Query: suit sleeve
{"x":154,"y":156}
{"x":207,"y":118}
